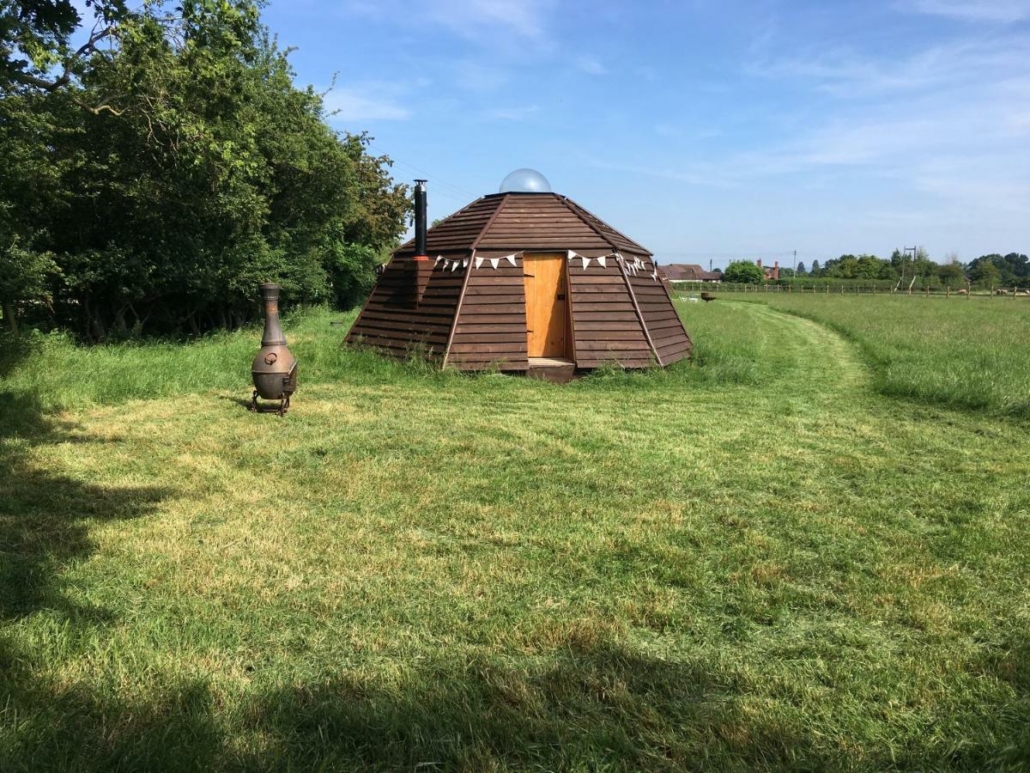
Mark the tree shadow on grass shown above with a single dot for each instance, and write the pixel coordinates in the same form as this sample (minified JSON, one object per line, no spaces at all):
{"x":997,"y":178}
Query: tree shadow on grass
{"x":45,"y":521}
{"x":45,"y":517}
{"x":605,"y":707}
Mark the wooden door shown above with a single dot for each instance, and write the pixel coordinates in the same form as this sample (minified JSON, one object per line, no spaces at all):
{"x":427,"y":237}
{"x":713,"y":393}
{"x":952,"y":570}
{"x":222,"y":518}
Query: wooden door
{"x":545,"y":304}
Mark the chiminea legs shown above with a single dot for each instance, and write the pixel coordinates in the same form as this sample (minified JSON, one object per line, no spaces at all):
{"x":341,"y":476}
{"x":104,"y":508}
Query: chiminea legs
{"x":284,"y":405}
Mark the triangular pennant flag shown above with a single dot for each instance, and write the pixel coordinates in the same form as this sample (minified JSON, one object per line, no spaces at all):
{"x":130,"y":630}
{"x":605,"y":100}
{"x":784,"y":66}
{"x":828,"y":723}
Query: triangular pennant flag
{"x":586,"y":262}
{"x":603,"y":261}
{"x":494,"y":262}
{"x":511,"y":259}
{"x":479,"y":262}
{"x":454,"y":265}
{"x":572,"y":254}
{"x":465,"y":263}
{"x":438,"y":259}
{"x":654,"y":275}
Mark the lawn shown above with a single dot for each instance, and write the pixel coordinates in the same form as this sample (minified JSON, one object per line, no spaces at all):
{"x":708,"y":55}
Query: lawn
{"x":763,"y":559}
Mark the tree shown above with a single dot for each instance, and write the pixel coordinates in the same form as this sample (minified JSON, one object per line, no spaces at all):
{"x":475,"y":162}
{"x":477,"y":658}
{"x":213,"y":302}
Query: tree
{"x":35,"y":53}
{"x":985,"y":273}
{"x":816,"y":271}
{"x":743,"y":272}
{"x":801,"y":269}
{"x":181,"y":168}
{"x":951,"y":273}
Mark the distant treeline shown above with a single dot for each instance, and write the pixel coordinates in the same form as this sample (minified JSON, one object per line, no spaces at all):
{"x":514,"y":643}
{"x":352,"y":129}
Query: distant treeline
{"x":154,"y":176}
{"x":900,"y":270}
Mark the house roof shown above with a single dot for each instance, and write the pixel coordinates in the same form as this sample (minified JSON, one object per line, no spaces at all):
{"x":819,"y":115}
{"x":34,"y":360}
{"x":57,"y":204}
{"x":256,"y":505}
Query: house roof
{"x":689,"y":272}
{"x":525,"y":221}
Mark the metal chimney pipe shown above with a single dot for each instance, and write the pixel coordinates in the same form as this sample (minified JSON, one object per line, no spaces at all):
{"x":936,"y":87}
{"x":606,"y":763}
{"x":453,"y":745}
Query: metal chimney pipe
{"x":420,"y":218}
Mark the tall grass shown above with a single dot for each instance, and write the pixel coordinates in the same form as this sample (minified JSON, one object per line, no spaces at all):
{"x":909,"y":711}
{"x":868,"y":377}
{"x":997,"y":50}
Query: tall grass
{"x":957,"y":352}
{"x":749,"y":562}
{"x":60,"y":374}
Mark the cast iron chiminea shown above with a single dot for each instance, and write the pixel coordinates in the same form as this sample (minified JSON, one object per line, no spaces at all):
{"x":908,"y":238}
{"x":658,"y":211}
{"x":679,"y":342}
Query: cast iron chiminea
{"x":275,"y":368}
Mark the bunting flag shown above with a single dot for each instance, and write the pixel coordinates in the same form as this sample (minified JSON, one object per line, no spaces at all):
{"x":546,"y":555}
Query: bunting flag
{"x":438,"y":259}
{"x":511,"y":259}
{"x":654,"y":274}
{"x":603,"y":260}
{"x":479,"y":262}
{"x":454,"y":265}
{"x":586,"y":262}
{"x":494,"y":262}
{"x":465,"y":263}
{"x":572,"y":254}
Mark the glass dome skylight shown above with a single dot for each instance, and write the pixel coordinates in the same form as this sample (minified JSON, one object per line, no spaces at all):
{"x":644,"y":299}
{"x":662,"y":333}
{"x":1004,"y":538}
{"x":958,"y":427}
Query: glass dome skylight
{"x":525,"y":181}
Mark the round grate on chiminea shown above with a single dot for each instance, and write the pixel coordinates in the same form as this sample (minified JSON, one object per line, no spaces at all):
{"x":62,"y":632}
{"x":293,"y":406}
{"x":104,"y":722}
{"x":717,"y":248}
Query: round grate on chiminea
{"x":274,"y":368}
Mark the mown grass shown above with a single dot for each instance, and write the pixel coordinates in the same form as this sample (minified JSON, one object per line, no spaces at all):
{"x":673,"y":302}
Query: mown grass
{"x":751,"y":562}
{"x":961,"y":352}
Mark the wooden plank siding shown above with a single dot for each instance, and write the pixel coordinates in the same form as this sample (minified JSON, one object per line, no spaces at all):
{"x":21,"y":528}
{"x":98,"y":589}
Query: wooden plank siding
{"x":490,"y":330}
{"x":605,"y":326}
{"x":474,"y":319}
{"x":389,"y":323}
{"x":670,"y":339}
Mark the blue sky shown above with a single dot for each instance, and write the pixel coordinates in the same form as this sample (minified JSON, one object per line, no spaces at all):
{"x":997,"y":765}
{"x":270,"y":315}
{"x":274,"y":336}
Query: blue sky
{"x":704,"y":129}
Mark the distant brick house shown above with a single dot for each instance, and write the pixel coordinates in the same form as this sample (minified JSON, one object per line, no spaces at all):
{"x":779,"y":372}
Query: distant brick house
{"x":679,"y":272}
{"x":771,"y":274}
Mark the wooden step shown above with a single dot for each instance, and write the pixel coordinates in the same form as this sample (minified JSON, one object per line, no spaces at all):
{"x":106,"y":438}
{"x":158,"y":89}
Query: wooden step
{"x":551,"y":369}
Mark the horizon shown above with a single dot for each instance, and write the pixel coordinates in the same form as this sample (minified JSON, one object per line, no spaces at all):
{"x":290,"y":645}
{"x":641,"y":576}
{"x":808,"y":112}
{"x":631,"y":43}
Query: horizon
{"x":703,"y":130}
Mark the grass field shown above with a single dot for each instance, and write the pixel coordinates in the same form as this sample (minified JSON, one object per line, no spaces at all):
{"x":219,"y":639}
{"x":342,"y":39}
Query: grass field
{"x":760,"y":560}
{"x":965,"y":353}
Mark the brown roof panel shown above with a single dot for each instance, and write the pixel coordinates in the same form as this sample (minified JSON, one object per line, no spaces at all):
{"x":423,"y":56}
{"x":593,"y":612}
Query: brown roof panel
{"x":525,"y":221}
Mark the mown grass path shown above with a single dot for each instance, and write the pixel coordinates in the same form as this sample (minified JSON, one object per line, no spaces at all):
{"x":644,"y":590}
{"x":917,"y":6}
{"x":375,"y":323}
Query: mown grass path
{"x":754,"y":562}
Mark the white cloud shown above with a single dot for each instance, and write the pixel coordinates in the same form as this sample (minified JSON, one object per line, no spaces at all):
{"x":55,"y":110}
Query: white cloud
{"x":360,"y":105}
{"x":1004,"y":11}
{"x":472,"y":19}
{"x":479,"y":77}
{"x":511,"y":113}
{"x":591,"y":66}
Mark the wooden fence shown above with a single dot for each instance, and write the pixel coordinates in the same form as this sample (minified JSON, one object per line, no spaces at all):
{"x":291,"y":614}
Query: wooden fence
{"x":846,"y":288}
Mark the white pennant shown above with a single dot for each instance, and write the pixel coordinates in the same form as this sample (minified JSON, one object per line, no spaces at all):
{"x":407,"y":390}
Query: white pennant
{"x":479,"y":262}
{"x":438,"y":259}
{"x":586,"y":262}
{"x":511,"y":259}
{"x":494,"y":262}
{"x":654,"y":275}
{"x":603,"y":261}
{"x":454,"y":265}
{"x":465,"y":263}
{"x":573,"y":254}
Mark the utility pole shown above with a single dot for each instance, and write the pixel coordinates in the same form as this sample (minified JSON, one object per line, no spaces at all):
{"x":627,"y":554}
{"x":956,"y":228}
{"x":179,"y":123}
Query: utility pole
{"x":913,"y":251}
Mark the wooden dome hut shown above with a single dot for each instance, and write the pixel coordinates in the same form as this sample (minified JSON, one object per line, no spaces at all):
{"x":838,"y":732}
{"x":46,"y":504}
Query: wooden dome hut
{"x":519,"y":281}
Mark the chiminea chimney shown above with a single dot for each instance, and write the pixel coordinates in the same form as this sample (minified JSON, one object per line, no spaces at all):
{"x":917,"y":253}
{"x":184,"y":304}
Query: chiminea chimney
{"x":419,"y":268}
{"x":420,"y":220}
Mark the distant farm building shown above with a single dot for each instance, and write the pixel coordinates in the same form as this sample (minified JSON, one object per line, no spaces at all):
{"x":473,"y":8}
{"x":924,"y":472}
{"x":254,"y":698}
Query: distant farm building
{"x":689,"y":272}
{"x":518,"y":277}
{"x":771,"y":274}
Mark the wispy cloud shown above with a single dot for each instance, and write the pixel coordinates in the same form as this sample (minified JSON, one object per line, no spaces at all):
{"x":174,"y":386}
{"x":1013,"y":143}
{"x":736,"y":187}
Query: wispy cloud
{"x":511,"y":113}
{"x":479,"y":77}
{"x":365,"y":104}
{"x":472,"y":19}
{"x":591,"y":66}
{"x":1004,"y":11}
